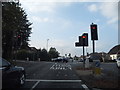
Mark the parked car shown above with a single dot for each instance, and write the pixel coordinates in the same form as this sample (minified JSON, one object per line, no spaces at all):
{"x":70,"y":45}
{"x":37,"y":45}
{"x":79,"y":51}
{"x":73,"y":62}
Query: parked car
{"x":81,"y":60}
{"x":118,"y":62}
{"x":65,"y":60}
{"x":12,"y":76}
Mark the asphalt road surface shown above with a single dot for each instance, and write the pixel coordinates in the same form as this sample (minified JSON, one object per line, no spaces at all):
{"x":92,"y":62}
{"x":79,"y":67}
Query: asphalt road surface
{"x":51,"y":75}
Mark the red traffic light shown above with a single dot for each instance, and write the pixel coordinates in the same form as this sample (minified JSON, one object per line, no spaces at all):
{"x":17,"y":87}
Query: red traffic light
{"x":94,"y":35}
{"x":83,"y":36}
{"x":93,"y":27}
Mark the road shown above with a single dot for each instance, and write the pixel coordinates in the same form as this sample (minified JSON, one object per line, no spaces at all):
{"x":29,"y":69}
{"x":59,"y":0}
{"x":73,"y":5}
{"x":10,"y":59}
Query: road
{"x":51,"y":75}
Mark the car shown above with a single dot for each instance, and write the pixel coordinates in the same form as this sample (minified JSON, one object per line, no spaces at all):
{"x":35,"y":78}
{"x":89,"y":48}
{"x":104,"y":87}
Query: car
{"x":12,"y":76}
{"x":65,"y":60}
{"x":118,"y":62}
{"x":81,"y":60}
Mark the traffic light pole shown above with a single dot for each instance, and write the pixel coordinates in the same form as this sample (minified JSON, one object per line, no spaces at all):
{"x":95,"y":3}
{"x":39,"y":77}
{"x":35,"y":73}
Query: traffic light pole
{"x":93,"y":46}
{"x":83,"y":53}
{"x":83,"y":56}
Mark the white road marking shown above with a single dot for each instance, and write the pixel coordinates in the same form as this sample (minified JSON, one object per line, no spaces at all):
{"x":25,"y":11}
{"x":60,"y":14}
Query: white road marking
{"x":85,"y":87}
{"x":63,"y":66}
{"x":52,"y":67}
{"x":53,"y":80}
{"x":35,"y":85}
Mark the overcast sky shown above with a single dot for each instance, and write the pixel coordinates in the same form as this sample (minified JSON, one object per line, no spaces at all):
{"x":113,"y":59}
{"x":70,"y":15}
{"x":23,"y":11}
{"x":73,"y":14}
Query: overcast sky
{"x":63,"y":21}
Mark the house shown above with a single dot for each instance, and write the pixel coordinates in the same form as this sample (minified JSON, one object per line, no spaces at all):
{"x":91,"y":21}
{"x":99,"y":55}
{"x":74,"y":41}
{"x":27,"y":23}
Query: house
{"x":114,"y":52}
{"x":102,"y":56}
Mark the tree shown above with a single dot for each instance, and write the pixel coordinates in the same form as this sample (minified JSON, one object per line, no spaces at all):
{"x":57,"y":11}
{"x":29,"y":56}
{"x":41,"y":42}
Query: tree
{"x":16,"y":28}
{"x":53,"y":53}
{"x":44,"y":55}
{"x":39,"y":53}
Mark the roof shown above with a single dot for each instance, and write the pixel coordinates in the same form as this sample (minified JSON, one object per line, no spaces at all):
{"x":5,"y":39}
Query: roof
{"x":115,"y":50}
{"x":33,"y":49}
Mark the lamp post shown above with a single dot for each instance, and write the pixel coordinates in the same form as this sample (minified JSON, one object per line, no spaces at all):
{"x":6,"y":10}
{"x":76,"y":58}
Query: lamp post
{"x":47,"y":44}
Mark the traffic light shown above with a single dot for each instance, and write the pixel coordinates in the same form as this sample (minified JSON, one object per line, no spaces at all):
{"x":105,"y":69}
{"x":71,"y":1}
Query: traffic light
{"x":77,"y":44}
{"x":94,"y":34}
{"x":80,"y":41}
{"x":84,"y":39}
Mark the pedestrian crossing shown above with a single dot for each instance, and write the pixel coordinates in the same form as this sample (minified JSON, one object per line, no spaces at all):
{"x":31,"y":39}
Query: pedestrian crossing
{"x":61,"y":66}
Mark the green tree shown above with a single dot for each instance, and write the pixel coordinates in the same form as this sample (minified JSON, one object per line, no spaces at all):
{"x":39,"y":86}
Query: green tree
{"x":16,"y":28}
{"x":53,"y":53}
{"x":44,"y":55}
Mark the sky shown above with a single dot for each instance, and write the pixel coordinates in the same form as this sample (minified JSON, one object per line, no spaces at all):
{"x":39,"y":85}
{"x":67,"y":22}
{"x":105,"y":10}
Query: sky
{"x":60,"y":23}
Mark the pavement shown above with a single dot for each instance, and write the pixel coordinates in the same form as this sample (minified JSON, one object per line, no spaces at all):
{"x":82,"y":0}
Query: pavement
{"x":105,"y":80}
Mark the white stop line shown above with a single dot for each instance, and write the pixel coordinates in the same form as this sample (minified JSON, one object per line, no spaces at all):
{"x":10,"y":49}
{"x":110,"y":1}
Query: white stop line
{"x":53,"y":80}
{"x":38,"y":81}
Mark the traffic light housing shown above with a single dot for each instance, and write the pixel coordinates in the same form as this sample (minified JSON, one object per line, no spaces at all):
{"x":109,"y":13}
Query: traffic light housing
{"x":77,"y":44}
{"x":94,"y":34}
{"x":84,"y":39}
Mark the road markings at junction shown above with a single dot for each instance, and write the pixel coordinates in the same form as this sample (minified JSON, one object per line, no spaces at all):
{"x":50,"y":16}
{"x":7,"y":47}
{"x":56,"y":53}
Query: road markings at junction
{"x":60,"y":67}
{"x":35,"y":85}
{"x":68,"y":81}
{"x":85,"y":87}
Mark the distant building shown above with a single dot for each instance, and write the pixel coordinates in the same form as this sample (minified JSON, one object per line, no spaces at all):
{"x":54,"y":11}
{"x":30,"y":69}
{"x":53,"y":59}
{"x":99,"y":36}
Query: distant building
{"x":32,"y":49}
{"x":114,"y":52}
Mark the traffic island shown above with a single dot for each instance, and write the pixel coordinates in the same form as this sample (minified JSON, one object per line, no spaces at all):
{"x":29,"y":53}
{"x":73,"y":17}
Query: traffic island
{"x":95,"y":80}
{"x":84,"y":71}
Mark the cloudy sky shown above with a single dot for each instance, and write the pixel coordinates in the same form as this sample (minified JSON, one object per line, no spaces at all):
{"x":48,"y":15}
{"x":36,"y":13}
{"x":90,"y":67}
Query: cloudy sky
{"x":63,"y":21}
